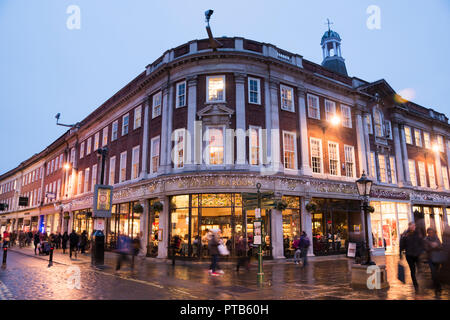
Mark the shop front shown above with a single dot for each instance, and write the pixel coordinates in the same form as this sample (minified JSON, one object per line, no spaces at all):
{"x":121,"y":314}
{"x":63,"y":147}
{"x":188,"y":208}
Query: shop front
{"x":193,"y":216}
{"x":82,"y":221}
{"x":291,"y":224}
{"x":388,"y":221}
{"x":335,"y":222}
{"x":427,"y":216}
{"x":123,"y":221}
{"x":154,"y":231}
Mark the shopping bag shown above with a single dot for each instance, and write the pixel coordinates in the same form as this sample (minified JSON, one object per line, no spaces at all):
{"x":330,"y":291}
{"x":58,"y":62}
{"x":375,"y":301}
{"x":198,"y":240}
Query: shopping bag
{"x":401,"y":272}
{"x":223,"y":250}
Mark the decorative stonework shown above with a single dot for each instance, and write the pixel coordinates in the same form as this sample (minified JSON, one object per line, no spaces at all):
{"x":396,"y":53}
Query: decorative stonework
{"x":389,"y":194}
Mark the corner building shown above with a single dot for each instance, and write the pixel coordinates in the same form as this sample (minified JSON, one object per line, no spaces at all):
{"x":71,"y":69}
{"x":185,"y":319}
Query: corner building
{"x":198,"y":128}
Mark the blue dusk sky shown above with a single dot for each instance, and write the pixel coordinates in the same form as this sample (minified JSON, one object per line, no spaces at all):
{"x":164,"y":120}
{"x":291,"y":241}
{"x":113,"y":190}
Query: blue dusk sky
{"x":46,"y":68}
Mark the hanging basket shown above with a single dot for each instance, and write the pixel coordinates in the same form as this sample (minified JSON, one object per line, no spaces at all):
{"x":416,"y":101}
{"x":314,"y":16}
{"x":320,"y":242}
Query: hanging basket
{"x":157,"y":206}
{"x":312,"y":207}
{"x":281,"y":205}
{"x":138,"y":208}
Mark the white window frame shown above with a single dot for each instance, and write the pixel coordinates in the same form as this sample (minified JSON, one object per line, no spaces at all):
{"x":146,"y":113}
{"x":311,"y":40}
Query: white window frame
{"x":258,"y":81}
{"x":123,"y":167}
{"x":311,"y":97}
{"x":380,"y":132}
{"x":105,"y":136}
{"x":80,"y":182}
{"x":338,"y":166}
{"x":177,"y":164}
{"x":137,"y":120}
{"x":346,"y":111}
{"x":291,"y":90}
{"x":406,"y":136}
{"x":311,"y":139}
{"x":250,"y":145}
{"x":350,"y":150}
{"x":224,"y":88}
{"x":154,"y":105}
{"x":96,"y":141}
{"x":125,"y":126}
{"x":417,"y":134}
{"x":88,"y":145}
{"x":373,"y":166}
{"x":427,"y":140}
{"x":422,"y":174}
{"x":115,"y":130}
{"x":383,"y":179}
{"x":393,"y":170}
{"x":412,"y":172}
{"x":369,"y":125}
{"x":432,"y":176}
{"x":94,"y":177}
{"x":388,"y":124}
{"x":87,"y":172}
{"x":445,"y":177}
{"x":208,"y":160}
{"x":178,"y":95}
{"x":294,"y":139}
{"x":152,"y":154}
{"x":134,"y":161}
{"x":328,"y":104}
{"x":112,"y":170}
{"x":440,"y":143}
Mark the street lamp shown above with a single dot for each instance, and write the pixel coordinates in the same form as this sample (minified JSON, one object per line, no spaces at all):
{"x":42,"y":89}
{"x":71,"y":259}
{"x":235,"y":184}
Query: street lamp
{"x":364,"y":185}
{"x":67,"y":166}
{"x":435,"y":148}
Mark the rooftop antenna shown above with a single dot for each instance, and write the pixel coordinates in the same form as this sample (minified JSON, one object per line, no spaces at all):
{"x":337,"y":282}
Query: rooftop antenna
{"x":76,"y":125}
{"x":213,"y":43}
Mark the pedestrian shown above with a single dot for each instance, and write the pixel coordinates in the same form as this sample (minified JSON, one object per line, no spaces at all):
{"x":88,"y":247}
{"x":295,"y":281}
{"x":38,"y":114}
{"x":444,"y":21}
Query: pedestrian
{"x":434,"y":251}
{"x":175,"y":247}
{"x":303,"y":245}
{"x":83,"y":241}
{"x":30,"y":238}
{"x":243,"y":259}
{"x":123,"y":249}
{"x":213,"y":244}
{"x":297,"y":253}
{"x":37,"y":241}
{"x":74,"y":238}
{"x":412,"y":243}
{"x":58,"y":240}
{"x":6,"y":238}
{"x":136,"y":244}
{"x":445,"y":269}
{"x":64,"y":240}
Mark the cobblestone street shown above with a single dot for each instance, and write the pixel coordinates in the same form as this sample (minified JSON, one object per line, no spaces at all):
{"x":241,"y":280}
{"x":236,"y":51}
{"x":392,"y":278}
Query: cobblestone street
{"x":27,"y":276}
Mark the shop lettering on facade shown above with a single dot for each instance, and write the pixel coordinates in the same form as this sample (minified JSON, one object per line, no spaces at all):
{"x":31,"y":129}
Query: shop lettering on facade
{"x":384,"y":194}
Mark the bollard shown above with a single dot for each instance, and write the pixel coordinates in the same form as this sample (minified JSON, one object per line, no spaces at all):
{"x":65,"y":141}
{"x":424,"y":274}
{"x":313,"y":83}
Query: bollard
{"x":50,"y":258}
{"x":5,"y":254}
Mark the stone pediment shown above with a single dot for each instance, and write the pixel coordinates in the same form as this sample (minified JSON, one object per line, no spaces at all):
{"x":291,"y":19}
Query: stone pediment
{"x":215,"y":114}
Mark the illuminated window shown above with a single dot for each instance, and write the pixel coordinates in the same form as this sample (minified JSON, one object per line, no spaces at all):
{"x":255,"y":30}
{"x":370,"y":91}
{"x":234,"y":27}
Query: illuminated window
{"x":330,"y":109}
{"x":86,"y":179}
{"x":382,"y":166}
{"x":179,"y":148}
{"x":373,"y":168}
{"x":349,"y":161}
{"x":287,"y":98}
{"x":333,"y":156}
{"x":427,"y":140}
{"x":445,"y":177}
{"x":112,"y":170}
{"x":432,"y":176}
{"x":137,"y":117}
{"x":408,"y":137}
{"x":216,"y":145}
{"x":316,"y":155}
{"x":440,"y":141}
{"x":96,"y":141}
{"x":94,"y":176}
{"x":393,"y":171}
{"x":135,"y":163}
{"x":105,"y":136}
{"x":289,"y":148}
{"x":155,"y":154}
{"x":125,"y":124}
{"x":254,"y":91}
{"x":422,"y":174}
{"x":156,"y":109}
{"x":181,"y":94}
{"x":418,"y":137}
{"x":412,"y":172}
{"x":123,"y":167}
{"x":114,"y":130}
{"x":80,"y":182}
{"x":215,"y":89}
{"x":369,"y":123}
{"x":255,"y":145}
{"x":378,"y":123}
{"x":346,"y":116}
{"x":88,"y":146}
{"x":313,"y":107}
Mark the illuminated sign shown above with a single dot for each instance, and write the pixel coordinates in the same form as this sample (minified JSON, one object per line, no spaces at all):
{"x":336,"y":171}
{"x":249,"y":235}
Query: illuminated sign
{"x":102,"y":201}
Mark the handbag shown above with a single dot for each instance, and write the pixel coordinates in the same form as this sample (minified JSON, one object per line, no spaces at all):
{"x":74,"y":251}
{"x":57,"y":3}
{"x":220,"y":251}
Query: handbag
{"x":401,"y":272}
{"x":223,"y":250}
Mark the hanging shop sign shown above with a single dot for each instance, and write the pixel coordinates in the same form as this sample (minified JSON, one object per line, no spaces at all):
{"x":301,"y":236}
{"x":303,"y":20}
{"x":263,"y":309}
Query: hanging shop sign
{"x":257,"y":233}
{"x":102,"y":201}
{"x":250,"y":200}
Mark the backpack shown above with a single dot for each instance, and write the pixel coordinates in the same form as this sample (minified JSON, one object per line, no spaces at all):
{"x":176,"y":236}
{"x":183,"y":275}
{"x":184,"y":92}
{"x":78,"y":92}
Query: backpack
{"x":306,"y":242}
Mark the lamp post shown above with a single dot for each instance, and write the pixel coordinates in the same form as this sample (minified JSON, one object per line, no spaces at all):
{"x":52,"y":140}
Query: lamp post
{"x":364,"y":185}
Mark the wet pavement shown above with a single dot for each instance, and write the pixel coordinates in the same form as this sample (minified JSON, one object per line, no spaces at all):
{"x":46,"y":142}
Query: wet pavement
{"x":27,"y":276}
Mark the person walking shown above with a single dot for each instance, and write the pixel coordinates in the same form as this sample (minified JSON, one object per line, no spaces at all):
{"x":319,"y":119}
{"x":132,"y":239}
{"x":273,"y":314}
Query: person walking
{"x":29,"y":238}
{"x":83,"y":242}
{"x":444,"y":276}
{"x":175,"y":247}
{"x":213,"y":244}
{"x":434,"y":251}
{"x":64,"y":239}
{"x":412,"y":243}
{"x":241,"y":249}
{"x":136,"y":244}
{"x":297,"y":253}
{"x":58,"y":240}
{"x":37,"y":241}
{"x":123,"y":249}
{"x":74,"y":238}
{"x":303,"y":245}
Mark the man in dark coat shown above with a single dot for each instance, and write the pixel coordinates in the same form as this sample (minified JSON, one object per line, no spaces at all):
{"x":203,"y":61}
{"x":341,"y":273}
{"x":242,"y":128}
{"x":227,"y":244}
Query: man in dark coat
{"x":73,"y":242}
{"x":412,"y":243}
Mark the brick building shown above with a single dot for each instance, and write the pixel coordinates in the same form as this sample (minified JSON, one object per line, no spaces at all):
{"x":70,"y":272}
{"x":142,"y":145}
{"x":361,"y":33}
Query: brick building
{"x":198,"y":128}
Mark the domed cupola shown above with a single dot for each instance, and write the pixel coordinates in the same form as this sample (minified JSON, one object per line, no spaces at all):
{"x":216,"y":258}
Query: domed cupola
{"x":332,"y":56}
